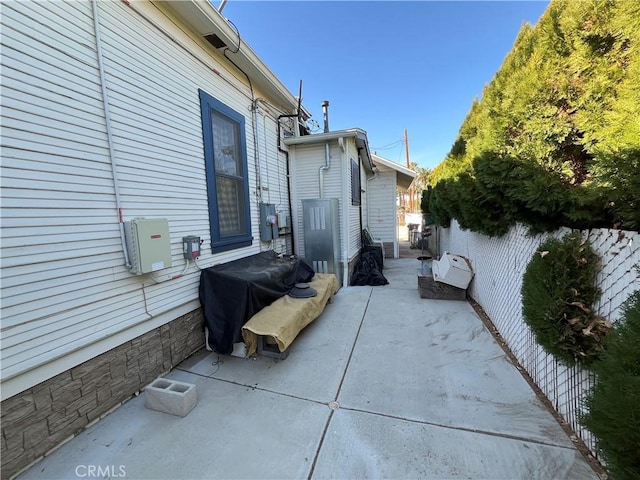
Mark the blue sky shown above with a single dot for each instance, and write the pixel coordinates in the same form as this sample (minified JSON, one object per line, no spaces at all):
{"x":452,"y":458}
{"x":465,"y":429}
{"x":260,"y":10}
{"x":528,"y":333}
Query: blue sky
{"x":386,"y":66}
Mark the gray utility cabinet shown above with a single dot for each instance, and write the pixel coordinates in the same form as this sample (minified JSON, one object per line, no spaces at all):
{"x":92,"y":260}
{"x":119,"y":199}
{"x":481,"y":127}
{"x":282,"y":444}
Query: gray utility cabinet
{"x":322,"y":235}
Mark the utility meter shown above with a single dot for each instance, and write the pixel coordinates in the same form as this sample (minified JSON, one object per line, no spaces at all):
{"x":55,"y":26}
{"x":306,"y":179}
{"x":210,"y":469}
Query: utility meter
{"x":272,"y":220}
{"x":191,"y":247}
{"x":268,"y":222}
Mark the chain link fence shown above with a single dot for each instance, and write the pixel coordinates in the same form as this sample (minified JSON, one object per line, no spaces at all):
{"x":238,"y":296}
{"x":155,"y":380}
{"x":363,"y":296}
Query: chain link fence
{"x":499,"y":264}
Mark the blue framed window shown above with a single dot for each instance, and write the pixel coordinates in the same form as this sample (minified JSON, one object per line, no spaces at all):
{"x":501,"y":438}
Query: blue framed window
{"x":225,"y":157}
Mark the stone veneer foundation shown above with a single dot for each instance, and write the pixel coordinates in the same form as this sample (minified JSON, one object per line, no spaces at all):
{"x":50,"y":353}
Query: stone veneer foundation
{"x":44,"y":416}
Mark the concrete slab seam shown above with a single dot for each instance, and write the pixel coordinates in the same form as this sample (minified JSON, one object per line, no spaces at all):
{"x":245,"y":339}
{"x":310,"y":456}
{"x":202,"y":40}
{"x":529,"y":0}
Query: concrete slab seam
{"x":464,"y":429}
{"x":344,"y":374}
{"x":252,"y":387}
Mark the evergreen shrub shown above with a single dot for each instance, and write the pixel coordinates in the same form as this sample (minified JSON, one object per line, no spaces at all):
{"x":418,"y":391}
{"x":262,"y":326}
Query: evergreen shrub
{"x":558,"y":291}
{"x":554,"y":140}
{"x":613,"y":406}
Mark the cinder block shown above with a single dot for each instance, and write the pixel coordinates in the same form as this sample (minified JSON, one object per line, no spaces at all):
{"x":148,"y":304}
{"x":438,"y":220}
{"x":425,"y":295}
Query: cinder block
{"x":268,"y":348}
{"x":169,"y":396}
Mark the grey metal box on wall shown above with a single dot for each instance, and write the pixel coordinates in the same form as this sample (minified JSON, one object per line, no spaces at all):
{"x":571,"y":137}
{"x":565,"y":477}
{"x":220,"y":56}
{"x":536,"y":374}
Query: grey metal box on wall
{"x":268,"y":222}
{"x":322,"y":235}
{"x":148,"y":244}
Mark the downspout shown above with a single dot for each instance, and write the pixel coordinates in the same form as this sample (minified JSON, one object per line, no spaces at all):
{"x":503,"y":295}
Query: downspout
{"x":375,"y":175}
{"x":266,"y":154}
{"x":360,"y":206}
{"x":324,"y":168}
{"x":327,"y":153}
{"x":286,"y":154}
{"x":107,"y":119}
{"x":254,"y":128}
{"x":345,"y":214}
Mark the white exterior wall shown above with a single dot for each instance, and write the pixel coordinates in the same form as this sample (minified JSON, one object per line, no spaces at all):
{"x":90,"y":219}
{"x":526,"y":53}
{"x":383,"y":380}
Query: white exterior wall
{"x":66,"y":294}
{"x":354,"y":210}
{"x":273,"y":179}
{"x":305,"y":163}
{"x":382,"y":206}
{"x":365,"y":195}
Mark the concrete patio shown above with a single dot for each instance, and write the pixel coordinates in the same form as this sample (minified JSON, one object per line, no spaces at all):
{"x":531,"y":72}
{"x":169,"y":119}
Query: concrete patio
{"x":383,"y":385}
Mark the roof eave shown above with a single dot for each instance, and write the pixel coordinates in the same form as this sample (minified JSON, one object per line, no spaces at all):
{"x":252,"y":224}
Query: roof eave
{"x":404,"y":175}
{"x":358,"y":134}
{"x":204,"y":19}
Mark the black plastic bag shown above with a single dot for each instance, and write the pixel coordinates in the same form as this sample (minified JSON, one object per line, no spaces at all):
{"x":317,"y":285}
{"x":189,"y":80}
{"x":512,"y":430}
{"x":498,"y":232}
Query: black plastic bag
{"x":367,"y":271}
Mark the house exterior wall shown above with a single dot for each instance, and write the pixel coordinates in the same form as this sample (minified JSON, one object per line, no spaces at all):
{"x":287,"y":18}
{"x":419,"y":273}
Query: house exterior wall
{"x":365,"y":195}
{"x":382,"y":206}
{"x":67,"y":296}
{"x":305,"y":163}
{"x":351,"y":152}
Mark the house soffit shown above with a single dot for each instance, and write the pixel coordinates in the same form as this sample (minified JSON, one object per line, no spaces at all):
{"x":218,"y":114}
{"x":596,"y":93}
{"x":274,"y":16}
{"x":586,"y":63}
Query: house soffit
{"x":359,"y":136}
{"x":205,"y":20}
{"x":404,"y":175}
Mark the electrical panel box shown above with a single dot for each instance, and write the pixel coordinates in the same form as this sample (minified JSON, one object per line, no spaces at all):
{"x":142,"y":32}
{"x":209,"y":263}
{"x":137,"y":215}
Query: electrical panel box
{"x":322,"y":235}
{"x":148,"y":244}
{"x":191,"y":247}
{"x":268,"y":222}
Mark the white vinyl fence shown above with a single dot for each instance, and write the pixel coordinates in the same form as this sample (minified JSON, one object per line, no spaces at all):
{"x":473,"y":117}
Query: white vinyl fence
{"x":499,"y":264}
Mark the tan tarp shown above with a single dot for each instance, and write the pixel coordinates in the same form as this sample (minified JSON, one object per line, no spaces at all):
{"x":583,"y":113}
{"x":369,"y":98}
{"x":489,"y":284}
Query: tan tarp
{"x":287,"y":316}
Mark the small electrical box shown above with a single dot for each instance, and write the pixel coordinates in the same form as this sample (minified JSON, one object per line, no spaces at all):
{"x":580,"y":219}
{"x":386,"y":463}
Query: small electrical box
{"x":191,"y":247}
{"x":268,"y":222}
{"x":148,"y":244}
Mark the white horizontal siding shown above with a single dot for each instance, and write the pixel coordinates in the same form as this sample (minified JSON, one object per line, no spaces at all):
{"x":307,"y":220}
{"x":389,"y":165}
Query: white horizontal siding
{"x":65,"y":286}
{"x":382,"y":206}
{"x":53,"y":136}
{"x":353,"y":210}
{"x":365,"y":197}
{"x":306,"y":161}
{"x":273,"y":171}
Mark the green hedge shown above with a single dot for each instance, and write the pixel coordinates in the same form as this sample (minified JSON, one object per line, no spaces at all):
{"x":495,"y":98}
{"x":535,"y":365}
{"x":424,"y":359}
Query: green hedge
{"x":558,"y":291}
{"x":555,"y":139}
{"x":613,"y":406}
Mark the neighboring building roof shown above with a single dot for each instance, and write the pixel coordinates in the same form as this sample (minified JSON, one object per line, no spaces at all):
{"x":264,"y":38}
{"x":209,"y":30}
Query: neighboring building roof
{"x":360,"y":137}
{"x":206,"y":20}
{"x":405,"y":176}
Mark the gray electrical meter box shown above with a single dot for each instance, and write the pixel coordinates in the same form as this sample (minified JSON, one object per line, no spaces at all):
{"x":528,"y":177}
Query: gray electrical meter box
{"x":148,"y":244}
{"x":268,"y":222}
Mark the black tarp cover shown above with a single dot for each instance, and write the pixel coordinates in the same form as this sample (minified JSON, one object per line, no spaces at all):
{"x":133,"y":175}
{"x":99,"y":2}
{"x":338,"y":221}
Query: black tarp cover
{"x":231,"y":293}
{"x":367,"y":270}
